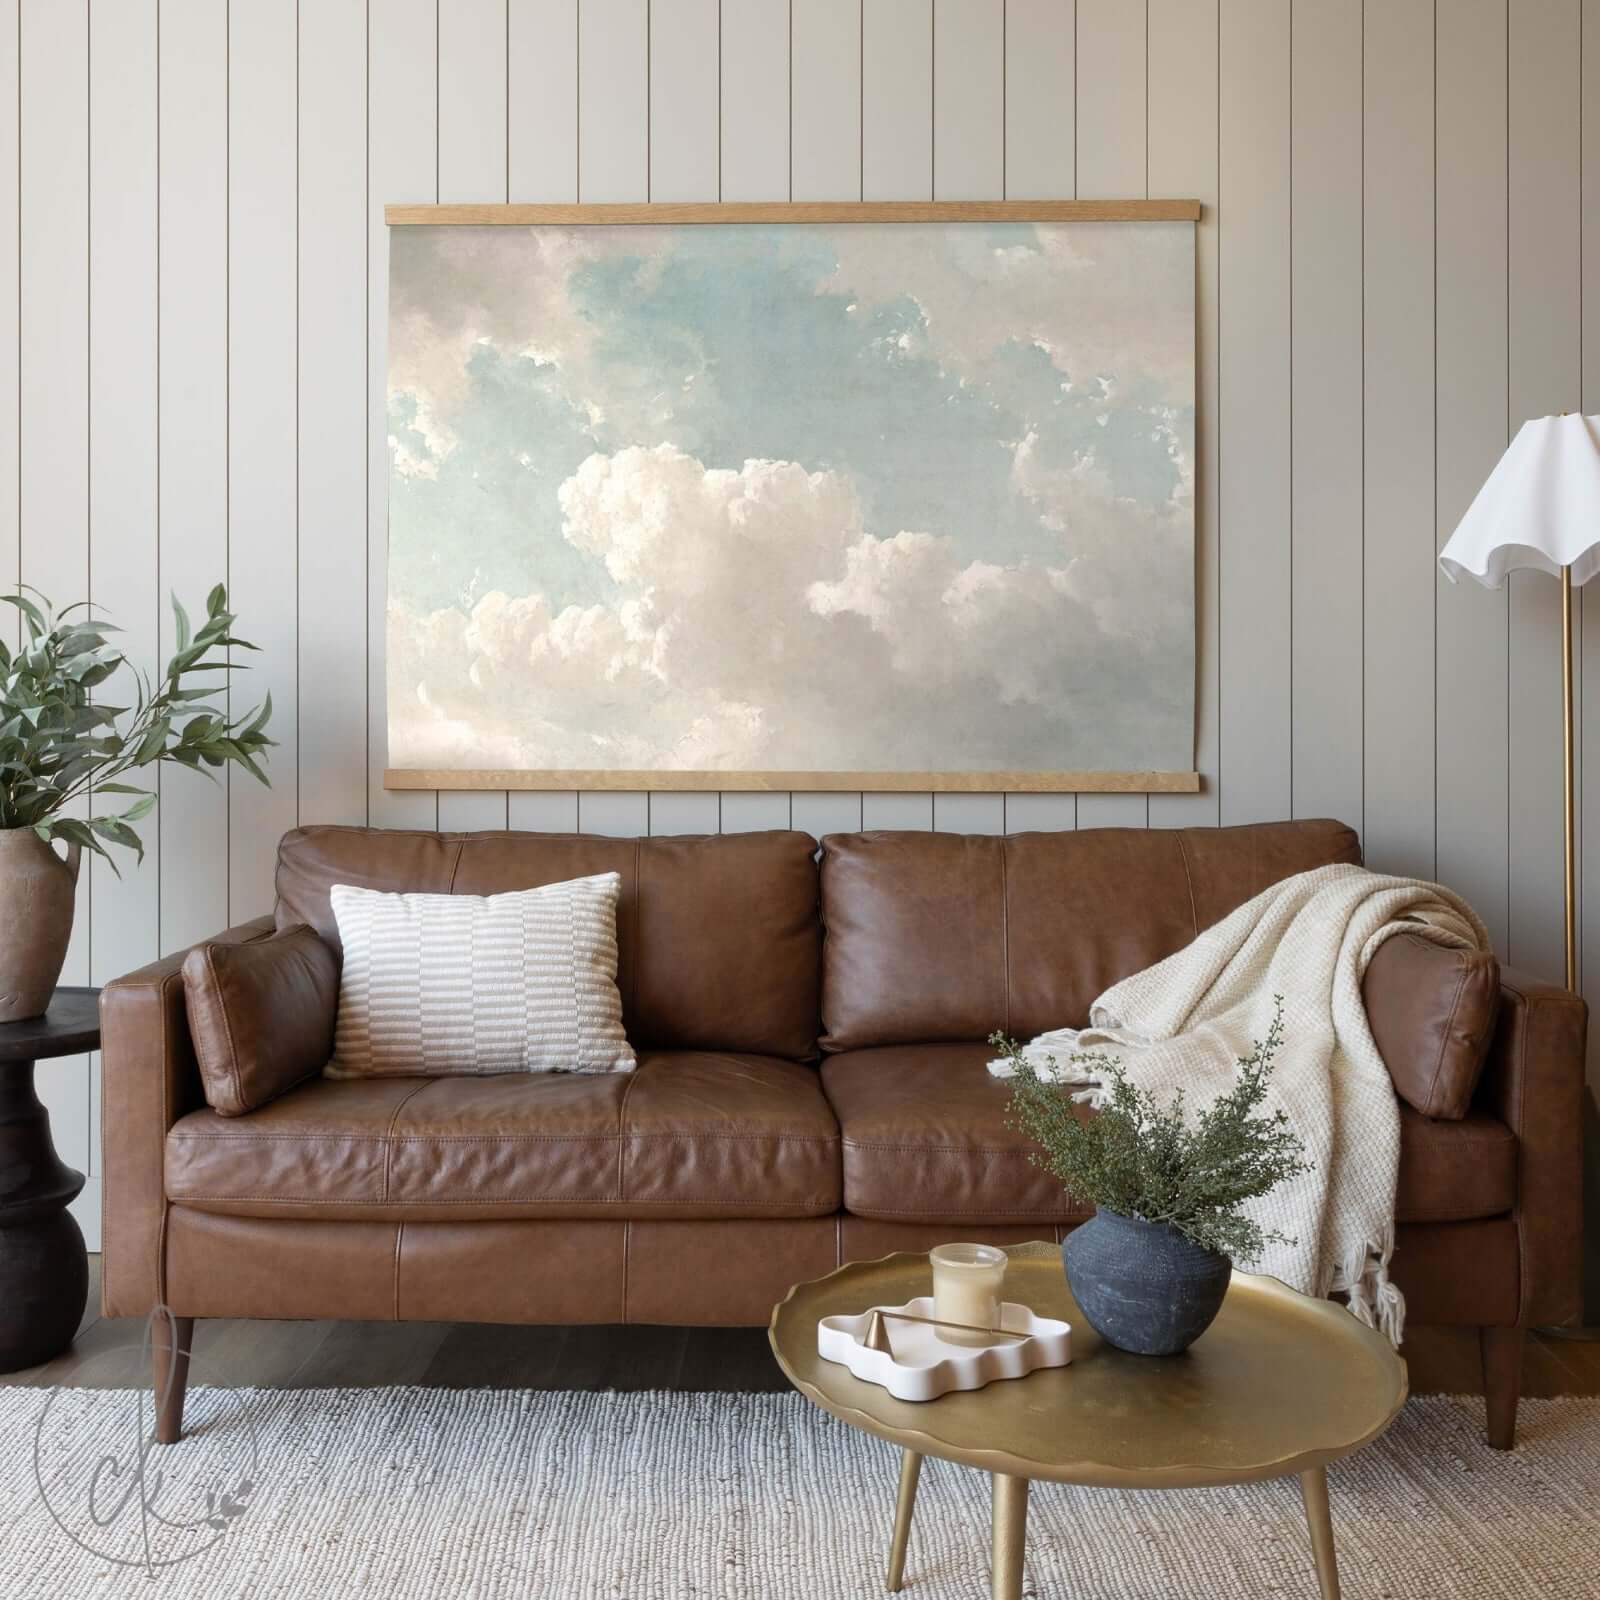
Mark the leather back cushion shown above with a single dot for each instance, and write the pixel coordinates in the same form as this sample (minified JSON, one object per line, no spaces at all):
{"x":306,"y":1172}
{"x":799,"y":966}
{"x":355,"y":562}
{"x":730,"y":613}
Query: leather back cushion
{"x":936,"y":937}
{"x":719,"y":943}
{"x":1432,"y":1012}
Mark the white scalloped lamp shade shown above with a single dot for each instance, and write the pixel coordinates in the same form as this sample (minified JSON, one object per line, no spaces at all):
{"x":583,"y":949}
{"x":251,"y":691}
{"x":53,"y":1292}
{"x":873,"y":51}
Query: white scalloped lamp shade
{"x":1540,"y":507}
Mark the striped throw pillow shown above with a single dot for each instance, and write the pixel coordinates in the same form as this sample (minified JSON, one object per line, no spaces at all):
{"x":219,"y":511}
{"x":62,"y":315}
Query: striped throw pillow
{"x":438,"y":985}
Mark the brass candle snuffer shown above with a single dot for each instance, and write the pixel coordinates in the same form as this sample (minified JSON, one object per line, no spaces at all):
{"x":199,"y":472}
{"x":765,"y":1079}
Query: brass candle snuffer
{"x":877,"y":1336}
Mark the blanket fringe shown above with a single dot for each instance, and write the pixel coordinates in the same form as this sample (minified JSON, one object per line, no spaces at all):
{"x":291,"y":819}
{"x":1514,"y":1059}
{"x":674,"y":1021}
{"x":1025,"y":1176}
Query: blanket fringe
{"x":1373,"y":1298}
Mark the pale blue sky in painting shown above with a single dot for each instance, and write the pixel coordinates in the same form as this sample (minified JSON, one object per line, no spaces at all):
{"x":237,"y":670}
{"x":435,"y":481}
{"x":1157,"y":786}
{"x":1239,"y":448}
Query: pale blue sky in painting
{"x":1055,"y":445}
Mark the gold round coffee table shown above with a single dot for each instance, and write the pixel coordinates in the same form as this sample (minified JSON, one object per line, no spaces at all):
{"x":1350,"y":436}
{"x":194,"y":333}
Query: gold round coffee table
{"x":1279,"y":1384}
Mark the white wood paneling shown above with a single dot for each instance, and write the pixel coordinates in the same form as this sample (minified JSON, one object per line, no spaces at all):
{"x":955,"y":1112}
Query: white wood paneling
{"x":1040,"y":99}
{"x":474,"y":147}
{"x":193,"y":413}
{"x":10,"y":308}
{"x":1470,"y":398}
{"x":1545,"y":371}
{"x":613,"y":100}
{"x":897,"y":99}
{"x":825,"y":113}
{"x":749,"y":811}
{"x":824,"y":812}
{"x":675,"y":812}
{"x":542,"y":109}
{"x":1326,"y":400}
{"x":1111,"y":160}
{"x":263,"y":560}
{"x":623,"y":814}
{"x":53,"y":387}
{"x":896,"y":810}
{"x":1253,"y":410}
{"x":1040,"y":813}
{"x":402,"y":164}
{"x":1111,"y":130}
{"x":124,"y":911}
{"x":333,"y":388}
{"x":1183,"y":157}
{"x":683,"y":100}
{"x":474,"y":152}
{"x":192,"y":408}
{"x":754,"y":136}
{"x":1399,"y":564}
{"x":969,"y":118}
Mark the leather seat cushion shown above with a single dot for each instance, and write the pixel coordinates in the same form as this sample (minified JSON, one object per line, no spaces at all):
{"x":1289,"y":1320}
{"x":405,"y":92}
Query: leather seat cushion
{"x":689,"y":1134}
{"x":924,"y":1139}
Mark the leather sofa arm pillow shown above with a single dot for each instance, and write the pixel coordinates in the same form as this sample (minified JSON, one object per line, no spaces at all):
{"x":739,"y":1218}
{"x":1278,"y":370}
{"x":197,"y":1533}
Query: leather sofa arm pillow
{"x":261,"y":1016}
{"x":1432,"y":1012}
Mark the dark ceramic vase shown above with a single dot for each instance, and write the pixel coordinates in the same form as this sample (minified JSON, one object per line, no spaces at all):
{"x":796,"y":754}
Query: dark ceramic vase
{"x":1143,"y":1286}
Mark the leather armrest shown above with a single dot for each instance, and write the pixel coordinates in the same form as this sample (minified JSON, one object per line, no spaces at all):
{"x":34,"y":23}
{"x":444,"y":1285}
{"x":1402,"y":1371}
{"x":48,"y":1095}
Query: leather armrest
{"x":1533,"y":1081}
{"x":148,"y":1080}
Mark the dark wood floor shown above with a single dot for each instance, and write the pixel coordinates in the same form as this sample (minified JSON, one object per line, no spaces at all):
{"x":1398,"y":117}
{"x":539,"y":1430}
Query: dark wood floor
{"x":308,"y":1355}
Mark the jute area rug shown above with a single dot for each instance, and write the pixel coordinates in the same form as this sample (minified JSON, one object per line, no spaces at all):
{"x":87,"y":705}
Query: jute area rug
{"x":423,"y":1492}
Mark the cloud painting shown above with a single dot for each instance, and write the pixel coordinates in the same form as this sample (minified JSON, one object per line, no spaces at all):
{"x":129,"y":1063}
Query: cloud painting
{"x":721,"y":499}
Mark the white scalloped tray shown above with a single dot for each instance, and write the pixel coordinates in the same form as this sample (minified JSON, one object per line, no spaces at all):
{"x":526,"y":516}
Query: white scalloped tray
{"x":924,"y":1366}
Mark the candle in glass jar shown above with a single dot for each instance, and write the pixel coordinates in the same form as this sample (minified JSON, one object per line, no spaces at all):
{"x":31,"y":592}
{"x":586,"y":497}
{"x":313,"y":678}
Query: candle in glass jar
{"x":966,"y":1288}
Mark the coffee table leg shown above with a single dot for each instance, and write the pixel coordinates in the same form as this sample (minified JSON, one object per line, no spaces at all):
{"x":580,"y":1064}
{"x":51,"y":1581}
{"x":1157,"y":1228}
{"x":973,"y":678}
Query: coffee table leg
{"x":1314,"y":1490}
{"x":905,"y":1503}
{"x":1010,"y":1535}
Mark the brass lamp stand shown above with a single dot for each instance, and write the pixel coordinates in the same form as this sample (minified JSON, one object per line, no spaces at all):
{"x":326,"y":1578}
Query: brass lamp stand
{"x":1538,"y":510}
{"x":1570,"y":824}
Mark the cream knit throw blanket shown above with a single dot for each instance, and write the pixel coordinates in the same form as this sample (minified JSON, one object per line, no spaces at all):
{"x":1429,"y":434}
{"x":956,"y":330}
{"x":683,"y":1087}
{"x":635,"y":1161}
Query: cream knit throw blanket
{"x":1187,"y":1020}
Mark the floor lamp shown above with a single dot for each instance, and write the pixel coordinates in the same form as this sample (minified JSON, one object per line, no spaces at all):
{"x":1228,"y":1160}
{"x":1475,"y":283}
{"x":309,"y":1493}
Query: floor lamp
{"x":1540,"y":509}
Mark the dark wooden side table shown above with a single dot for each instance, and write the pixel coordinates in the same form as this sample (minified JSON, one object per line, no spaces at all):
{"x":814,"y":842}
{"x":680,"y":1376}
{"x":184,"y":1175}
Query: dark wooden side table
{"x":44,"y":1269}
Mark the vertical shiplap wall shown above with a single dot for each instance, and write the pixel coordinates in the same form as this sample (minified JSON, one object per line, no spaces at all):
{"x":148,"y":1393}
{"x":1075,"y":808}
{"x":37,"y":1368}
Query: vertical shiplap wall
{"x":1393,"y":265}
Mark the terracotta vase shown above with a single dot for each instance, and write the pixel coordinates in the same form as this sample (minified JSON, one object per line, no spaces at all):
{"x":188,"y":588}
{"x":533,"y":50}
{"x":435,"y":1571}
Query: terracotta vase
{"x":38,"y":891}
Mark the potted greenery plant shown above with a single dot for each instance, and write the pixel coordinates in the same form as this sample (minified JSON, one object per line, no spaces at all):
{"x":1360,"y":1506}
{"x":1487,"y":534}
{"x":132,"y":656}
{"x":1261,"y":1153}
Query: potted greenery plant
{"x":1149,"y":1270}
{"x":64,"y":751}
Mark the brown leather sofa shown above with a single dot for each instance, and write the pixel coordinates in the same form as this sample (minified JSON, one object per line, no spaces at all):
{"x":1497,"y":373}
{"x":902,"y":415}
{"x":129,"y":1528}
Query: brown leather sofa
{"x":730,"y":1165}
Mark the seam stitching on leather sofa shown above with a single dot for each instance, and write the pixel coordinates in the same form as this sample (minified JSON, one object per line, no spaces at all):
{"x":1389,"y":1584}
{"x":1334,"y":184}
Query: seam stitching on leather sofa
{"x":514,"y":1138}
{"x":941,"y":1149}
{"x":1188,"y":878}
{"x":622,"y":1112}
{"x":388,"y":1138}
{"x":399,"y":1234}
{"x":638,"y":941}
{"x":511,"y":1200}
{"x":202,"y":1055}
{"x":1446,"y":1032}
{"x":455,"y":866}
{"x":1005,"y":928}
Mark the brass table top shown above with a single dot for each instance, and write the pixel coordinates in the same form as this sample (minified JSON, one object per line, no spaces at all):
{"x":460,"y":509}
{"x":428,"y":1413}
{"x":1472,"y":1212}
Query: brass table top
{"x":1279,"y":1383}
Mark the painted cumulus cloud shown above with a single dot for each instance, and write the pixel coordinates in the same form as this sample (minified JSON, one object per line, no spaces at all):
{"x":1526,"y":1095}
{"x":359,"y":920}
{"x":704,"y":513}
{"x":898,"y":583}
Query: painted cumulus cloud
{"x":792,"y":499}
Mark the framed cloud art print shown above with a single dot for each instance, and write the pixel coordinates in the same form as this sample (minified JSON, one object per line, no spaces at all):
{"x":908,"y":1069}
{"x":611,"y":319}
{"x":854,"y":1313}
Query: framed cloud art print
{"x":792,"y":496}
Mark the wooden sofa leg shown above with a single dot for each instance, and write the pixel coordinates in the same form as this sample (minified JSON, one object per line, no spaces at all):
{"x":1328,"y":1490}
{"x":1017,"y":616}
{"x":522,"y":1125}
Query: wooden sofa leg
{"x":170,"y":1372}
{"x":1501,"y":1349}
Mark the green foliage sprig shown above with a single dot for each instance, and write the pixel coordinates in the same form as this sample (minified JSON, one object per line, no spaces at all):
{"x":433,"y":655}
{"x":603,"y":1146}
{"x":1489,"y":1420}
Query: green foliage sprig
{"x":59,"y":744}
{"x":1142,"y":1159}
